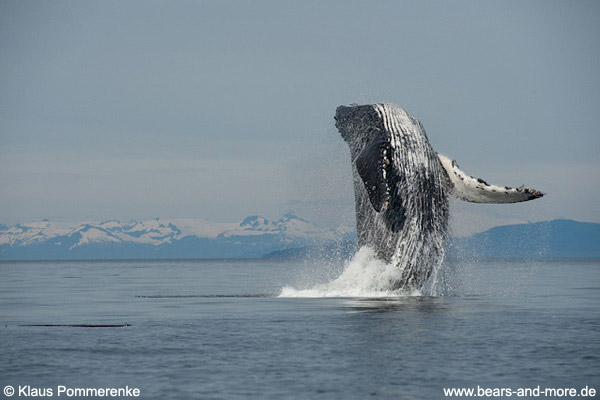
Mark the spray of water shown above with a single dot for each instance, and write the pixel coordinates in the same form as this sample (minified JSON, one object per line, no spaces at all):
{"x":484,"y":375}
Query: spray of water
{"x":363,"y":276}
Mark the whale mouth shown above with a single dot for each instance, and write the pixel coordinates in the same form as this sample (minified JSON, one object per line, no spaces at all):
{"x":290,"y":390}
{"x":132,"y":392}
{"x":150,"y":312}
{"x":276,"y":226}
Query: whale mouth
{"x":347,"y":118}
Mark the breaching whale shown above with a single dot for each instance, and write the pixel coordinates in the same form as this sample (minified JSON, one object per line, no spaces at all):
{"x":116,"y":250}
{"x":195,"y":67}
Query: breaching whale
{"x":401,"y":188}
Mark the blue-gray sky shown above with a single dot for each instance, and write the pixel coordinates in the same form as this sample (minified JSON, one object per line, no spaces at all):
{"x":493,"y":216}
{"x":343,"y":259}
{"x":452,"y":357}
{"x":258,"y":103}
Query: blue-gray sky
{"x":221,"y":109}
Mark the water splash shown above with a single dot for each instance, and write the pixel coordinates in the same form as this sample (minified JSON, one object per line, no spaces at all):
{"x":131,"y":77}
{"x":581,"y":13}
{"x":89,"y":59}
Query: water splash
{"x":363,"y":276}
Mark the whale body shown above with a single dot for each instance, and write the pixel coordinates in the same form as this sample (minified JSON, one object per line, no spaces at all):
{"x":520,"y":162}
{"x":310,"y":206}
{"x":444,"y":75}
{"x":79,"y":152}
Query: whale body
{"x":401,"y":188}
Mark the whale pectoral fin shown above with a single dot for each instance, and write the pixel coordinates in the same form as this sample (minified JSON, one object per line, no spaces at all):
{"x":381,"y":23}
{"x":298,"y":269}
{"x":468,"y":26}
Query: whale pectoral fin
{"x":476,"y":190}
{"x":372,"y":166}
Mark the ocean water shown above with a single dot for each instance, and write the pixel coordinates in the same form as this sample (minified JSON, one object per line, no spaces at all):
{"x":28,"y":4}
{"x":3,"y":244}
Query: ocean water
{"x":220,"y":329}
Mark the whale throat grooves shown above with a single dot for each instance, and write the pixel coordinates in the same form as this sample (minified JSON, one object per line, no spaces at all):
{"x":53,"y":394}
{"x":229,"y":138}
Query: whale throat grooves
{"x":400,"y":190}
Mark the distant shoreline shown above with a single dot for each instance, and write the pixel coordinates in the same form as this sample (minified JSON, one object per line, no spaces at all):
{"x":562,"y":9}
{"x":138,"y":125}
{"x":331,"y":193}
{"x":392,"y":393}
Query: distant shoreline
{"x":288,"y":238}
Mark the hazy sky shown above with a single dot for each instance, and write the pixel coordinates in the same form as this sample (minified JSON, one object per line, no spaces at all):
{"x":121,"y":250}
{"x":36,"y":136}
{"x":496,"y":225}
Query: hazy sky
{"x":222,"y":109}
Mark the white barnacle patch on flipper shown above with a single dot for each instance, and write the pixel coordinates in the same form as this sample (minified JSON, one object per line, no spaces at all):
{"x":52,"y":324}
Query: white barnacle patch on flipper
{"x":477,"y":190}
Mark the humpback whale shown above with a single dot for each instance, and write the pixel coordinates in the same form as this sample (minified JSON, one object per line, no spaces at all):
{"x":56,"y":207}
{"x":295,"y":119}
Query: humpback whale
{"x":401,"y":188}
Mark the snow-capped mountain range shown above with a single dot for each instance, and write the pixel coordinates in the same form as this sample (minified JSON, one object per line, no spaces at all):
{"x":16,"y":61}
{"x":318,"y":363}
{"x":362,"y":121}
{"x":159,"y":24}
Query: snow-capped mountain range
{"x":255,"y":236}
{"x":169,"y":238}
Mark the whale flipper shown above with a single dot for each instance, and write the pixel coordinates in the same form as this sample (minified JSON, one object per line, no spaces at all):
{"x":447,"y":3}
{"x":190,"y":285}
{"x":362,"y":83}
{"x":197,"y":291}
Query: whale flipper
{"x":476,"y":190}
{"x":371,"y":165}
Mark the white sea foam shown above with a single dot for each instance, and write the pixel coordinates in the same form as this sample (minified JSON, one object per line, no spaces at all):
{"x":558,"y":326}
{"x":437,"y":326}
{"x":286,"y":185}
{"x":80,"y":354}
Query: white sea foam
{"x":364,"y":276}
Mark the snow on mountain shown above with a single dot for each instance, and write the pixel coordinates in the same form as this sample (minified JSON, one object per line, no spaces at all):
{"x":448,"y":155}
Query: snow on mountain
{"x":151,"y":232}
{"x":33,"y":232}
{"x":255,"y":231}
{"x":91,"y":234}
{"x":289,"y":225}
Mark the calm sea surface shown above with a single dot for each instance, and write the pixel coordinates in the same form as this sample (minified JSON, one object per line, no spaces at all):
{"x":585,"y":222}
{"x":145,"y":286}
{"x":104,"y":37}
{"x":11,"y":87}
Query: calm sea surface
{"x":215,"y":329}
